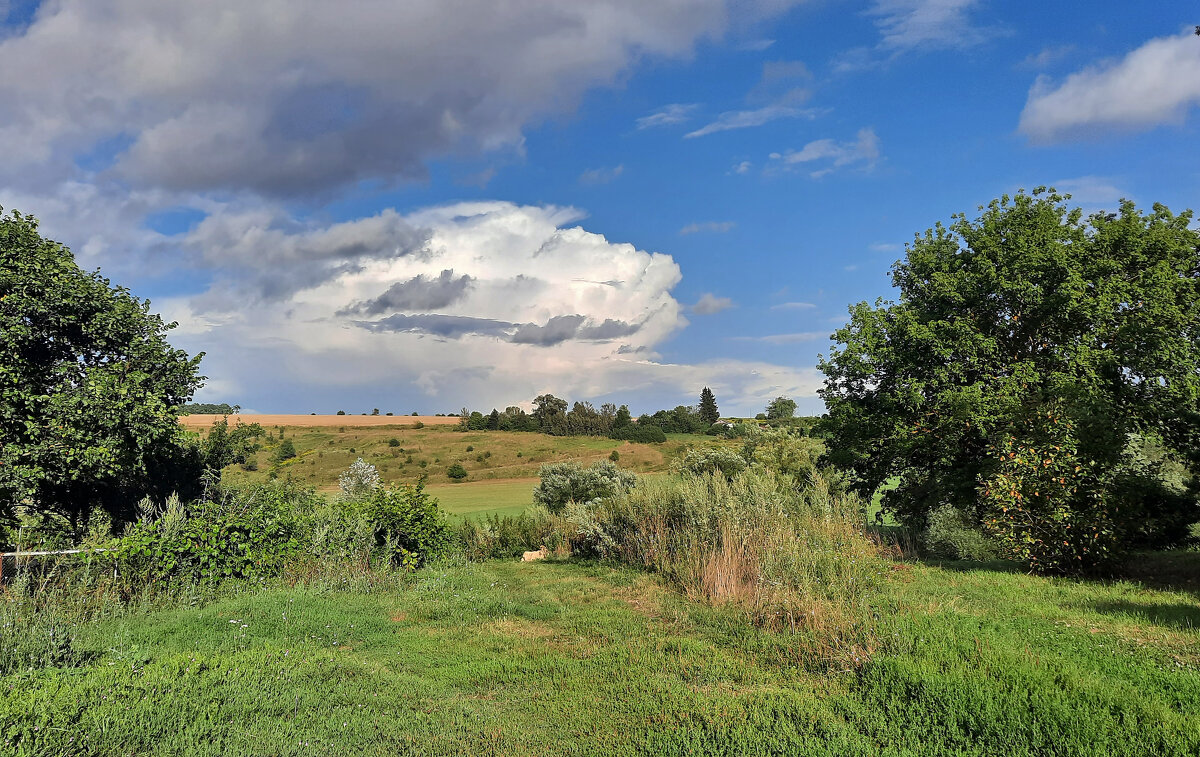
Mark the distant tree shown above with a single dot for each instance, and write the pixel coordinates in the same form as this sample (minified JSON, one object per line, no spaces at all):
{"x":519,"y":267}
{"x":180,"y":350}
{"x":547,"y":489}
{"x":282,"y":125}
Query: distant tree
{"x":708,"y":407}
{"x":90,"y":389}
{"x":225,"y":446}
{"x":545,"y":409}
{"x":493,"y":422}
{"x":780,"y":408}
{"x":622,"y":419}
{"x":457,"y":472}
{"x":375,"y":411}
{"x":1026,"y":350}
{"x":287,"y":450}
{"x":341,"y":412}
{"x":207,"y":408}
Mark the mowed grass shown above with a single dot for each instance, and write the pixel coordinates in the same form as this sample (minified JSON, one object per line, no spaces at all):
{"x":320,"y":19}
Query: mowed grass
{"x":482,"y":498}
{"x":324,"y":452}
{"x":504,"y":658}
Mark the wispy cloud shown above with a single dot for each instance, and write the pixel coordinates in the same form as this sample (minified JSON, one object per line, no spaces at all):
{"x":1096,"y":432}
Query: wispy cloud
{"x":863,"y":151}
{"x":1092,"y":190}
{"x":1046,"y":56}
{"x":794,"y":338}
{"x":916,"y":26}
{"x":709,"y":303}
{"x":745,"y":119}
{"x":793,"y":306}
{"x":601,"y":175}
{"x":742,"y":168}
{"x":715,"y":227}
{"x":1158,"y":83}
{"x":668,"y":115}
{"x":885,"y":247}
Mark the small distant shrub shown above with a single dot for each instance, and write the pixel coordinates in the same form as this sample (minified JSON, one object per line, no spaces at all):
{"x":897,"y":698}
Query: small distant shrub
{"x":456,"y":472}
{"x":414,"y":412}
{"x":614,"y":456}
{"x":418,"y":424}
{"x":341,"y":412}
{"x":424,"y":463}
{"x":479,"y":458}
{"x":387,"y":413}
{"x":251,"y":464}
{"x":470,"y":448}
{"x":285,"y":451}
{"x":487,"y":454}
{"x":951,"y":535}
{"x":352,"y":451}
{"x":394,"y":442}
{"x":520,"y":454}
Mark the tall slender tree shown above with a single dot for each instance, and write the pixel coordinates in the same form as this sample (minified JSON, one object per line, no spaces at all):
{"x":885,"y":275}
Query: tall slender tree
{"x":708,"y":407}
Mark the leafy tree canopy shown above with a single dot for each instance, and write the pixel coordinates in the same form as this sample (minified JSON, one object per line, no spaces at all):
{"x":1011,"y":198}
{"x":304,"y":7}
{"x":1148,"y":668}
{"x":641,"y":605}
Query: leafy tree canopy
{"x":90,"y":390}
{"x":1028,"y":333}
{"x":781,"y":407}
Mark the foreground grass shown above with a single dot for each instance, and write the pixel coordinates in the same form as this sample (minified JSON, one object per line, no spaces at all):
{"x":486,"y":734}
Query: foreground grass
{"x":565,"y":658}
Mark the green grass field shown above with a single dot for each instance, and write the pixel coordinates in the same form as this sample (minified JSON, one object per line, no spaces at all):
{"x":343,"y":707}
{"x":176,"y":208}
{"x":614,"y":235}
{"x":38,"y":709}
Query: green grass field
{"x":504,"y":658}
{"x":483,"y":498}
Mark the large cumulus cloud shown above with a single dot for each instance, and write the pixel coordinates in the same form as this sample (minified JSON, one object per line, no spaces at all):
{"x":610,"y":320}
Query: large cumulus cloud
{"x":546,"y":306}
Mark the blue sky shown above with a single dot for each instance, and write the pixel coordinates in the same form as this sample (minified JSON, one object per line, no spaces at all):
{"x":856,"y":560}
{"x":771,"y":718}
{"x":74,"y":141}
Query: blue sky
{"x":427,"y":205}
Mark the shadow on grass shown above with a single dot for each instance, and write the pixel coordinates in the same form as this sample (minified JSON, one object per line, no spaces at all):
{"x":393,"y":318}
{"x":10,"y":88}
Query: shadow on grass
{"x":1175,"y":570}
{"x":1185,"y":617}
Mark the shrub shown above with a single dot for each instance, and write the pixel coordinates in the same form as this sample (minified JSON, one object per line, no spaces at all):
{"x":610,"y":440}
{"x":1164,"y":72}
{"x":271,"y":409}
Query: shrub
{"x":394,"y":442}
{"x":418,"y":424}
{"x":570,"y":482}
{"x":508,"y":536}
{"x":951,"y":535}
{"x":457,"y":472}
{"x":408,"y":525}
{"x":470,"y":448}
{"x":614,"y":456}
{"x":704,"y":462}
{"x":341,"y":412}
{"x":359,"y":480}
{"x":285,"y":451}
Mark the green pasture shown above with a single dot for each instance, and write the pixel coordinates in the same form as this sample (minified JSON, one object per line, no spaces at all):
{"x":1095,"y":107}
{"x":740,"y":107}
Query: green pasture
{"x":483,"y":498}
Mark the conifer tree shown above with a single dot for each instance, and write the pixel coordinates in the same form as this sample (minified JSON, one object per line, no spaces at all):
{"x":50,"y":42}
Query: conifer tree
{"x":708,"y":407}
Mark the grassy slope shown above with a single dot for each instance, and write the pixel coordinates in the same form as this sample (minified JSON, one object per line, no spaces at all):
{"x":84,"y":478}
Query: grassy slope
{"x":546,"y":659}
{"x":325,"y":452}
{"x":476,"y":499}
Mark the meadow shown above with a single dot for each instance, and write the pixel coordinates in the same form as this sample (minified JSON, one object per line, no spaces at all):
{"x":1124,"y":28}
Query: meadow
{"x":502,"y":466}
{"x":578,"y":657}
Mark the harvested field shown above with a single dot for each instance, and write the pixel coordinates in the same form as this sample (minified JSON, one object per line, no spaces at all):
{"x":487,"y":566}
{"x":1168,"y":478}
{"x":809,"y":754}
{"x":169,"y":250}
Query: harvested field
{"x":324,"y":421}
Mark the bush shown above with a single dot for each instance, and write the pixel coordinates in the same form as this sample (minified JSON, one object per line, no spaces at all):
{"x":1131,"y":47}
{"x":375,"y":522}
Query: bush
{"x":408,"y":525}
{"x":457,"y":472}
{"x":570,"y":482}
{"x":614,"y":456}
{"x":470,"y":448}
{"x":359,"y":480}
{"x":705,"y":462}
{"x":341,"y":412}
{"x":285,"y":451}
{"x":951,"y":535}
{"x":393,"y":442}
{"x":418,"y":424}
{"x":508,"y":536}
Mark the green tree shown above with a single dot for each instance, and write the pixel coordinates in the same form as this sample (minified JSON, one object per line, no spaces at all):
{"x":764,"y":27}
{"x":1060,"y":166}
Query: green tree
{"x":708,"y":407}
{"x":90,"y":390}
{"x":1028,"y":312}
{"x":547,"y":410}
{"x":781,"y":408}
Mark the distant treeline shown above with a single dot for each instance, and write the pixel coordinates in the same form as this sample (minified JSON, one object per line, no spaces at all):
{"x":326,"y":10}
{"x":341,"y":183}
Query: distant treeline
{"x":551,"y":416}
{"x":207,"y":408}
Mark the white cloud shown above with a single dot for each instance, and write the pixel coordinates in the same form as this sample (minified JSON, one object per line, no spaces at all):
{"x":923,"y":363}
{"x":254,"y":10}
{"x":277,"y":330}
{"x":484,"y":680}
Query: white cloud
{"x":667,"y":115}
{"x":796,"y":338}
{"x":714,"y":227}
{"x":1046,"y":56}
{"x":1158,"y":83}
{"x":601,"y":175}
{"x":1092,"y":190}
{"x":745,"y":119}
{"x":793,"y":306}
{"x":742,"y":168}
{"x":885,"y":247}
{"x":922,"y":24}
{"x":307,"y":96}
{"x":863,"y":151}
{"x":709,"y":304}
